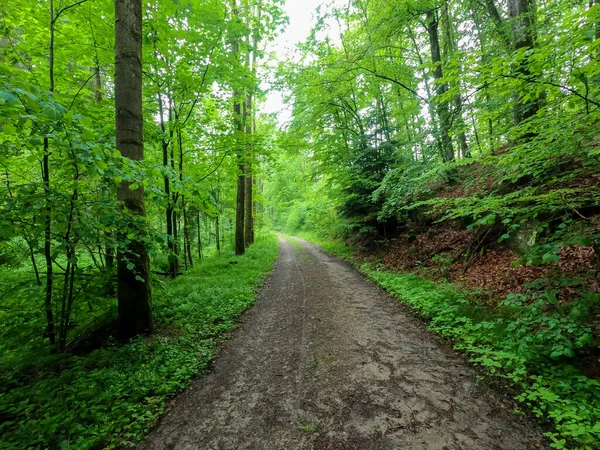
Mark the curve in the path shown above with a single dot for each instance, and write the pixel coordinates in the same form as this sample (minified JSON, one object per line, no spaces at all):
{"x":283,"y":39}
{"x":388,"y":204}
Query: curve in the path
{"x":326,"y":360}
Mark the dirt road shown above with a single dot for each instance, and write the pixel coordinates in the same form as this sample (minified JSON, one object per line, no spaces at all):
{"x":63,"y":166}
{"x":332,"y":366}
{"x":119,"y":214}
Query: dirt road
{"x":326,"y":360}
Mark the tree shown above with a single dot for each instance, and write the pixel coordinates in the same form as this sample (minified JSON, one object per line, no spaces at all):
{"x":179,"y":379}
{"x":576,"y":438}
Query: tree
{"x":60,"y":172}
{"x":522,"y":16}
{"x":238,"y":120}
{"x":441,"y":87}
{"x":133,"y":268}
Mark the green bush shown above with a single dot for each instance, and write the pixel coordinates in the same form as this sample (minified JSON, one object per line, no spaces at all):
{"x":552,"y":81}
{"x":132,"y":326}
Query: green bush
{"x":109,"y":397}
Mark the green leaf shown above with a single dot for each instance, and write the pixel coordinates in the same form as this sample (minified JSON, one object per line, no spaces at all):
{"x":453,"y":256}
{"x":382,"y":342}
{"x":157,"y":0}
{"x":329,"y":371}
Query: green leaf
{"x":9,"y":129}
{"x":8,"y":97}
{"x":550,"y":258}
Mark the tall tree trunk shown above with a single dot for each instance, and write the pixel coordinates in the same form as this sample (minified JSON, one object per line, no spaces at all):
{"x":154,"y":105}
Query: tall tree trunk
{"x":167,"y":185}
{"x":174,"y":262}
{"x":451,"y":47}
{"x":109,"y":256}
{"x":133,"y":266}
{"x":176,"y":244}
{"x":248,"y":220}
{"x":522,"y":15}
{"x":217,"y":231}
{"x":207,"y":228}
{"x":69,"y":275}
{"x":498,"y":22}
{"x":430,"y":105}
{"x":176,"y":220}
{"x":486,"y":93}
{"x":108,"y":235}
{"x":254,"y":186}
{"x":442,"y":109}
{"x":240,"y":244}
{"x":187,"y":245}
{"x":48,"y":203}
{"x":594,"y":56}
{"x":252,"y":203}
{"x":476,"y":134}
{"x":249,"y":124}
{"x":198,"y":223}
{"x":97,"y":80}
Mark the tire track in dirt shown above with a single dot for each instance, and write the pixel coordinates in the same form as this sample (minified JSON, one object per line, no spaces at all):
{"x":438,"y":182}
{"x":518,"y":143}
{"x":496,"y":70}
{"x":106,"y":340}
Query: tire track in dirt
{"x":326,"y":360}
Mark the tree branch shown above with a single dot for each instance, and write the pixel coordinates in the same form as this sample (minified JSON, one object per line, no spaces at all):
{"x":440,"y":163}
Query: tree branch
{"x":67,"y":8}
{"x":81,"y":89}
{"x":392,"y":80}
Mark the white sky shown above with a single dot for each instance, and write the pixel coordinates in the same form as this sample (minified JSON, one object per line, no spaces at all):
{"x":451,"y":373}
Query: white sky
{"x":302,"y":17}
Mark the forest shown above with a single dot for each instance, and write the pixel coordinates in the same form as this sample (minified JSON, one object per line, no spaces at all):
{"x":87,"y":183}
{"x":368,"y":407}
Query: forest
{"x":448,"y":150}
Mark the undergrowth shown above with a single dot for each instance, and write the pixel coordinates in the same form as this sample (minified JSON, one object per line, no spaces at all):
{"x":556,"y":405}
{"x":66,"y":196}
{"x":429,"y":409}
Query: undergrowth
{"x":528,"y":342}
{"x":110,"y":396}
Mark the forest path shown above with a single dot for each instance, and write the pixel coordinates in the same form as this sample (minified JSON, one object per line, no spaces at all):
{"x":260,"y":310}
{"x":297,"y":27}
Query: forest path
{"x":326,"y":360}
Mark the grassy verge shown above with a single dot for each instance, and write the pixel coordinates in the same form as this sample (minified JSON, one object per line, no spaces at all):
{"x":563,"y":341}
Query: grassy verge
{"x":515,"y":342}
{"x":290,"y":240}
{"x":111,"y":396}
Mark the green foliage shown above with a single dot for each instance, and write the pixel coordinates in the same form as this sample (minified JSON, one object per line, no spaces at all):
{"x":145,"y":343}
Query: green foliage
{"x":334,"y":246}
{"x":506,"y":347}
{"x":57,"y":110}
{"x":298,"y":199}
{"x":109,"y":397}
{"x":375,"y":111}
{"x":542,"y":179}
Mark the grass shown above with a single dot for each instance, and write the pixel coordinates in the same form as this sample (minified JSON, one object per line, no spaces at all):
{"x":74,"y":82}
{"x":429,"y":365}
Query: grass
{"x":293,"y":242}
{"x":335,"y":247}
{"x":111,"y":396}
{"x":529,"y":346}
{"x":309,"y":428}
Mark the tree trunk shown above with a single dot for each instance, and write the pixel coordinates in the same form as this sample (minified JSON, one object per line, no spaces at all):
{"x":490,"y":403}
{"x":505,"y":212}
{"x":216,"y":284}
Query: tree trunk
{"x":498,"y":22}
{"x":133,"y":266}
{"x":217,"y":240}
{"x":240,"y":244}
{"x":199,"y":235}
{"x":522,"y":15}
{"x":187,"y":245}
{"x":486,"y":94}
{"x":430,"y":104}
{"x":254,"y":186}
{"x":248,"y":220}
{"x":442,"y":109}
{"x":207,"y":227}
{"x":69,"y":275}
{"x":174,"y":262}
{"x":167,"y":184}
{"x":240,"y":241}
{"x":175,"y":195}
{"x":48,"y":203}
{"x":36,"y":271}
{"x":451,"y":46}
{"x":109,"y":258}
{"x":594,"y":55}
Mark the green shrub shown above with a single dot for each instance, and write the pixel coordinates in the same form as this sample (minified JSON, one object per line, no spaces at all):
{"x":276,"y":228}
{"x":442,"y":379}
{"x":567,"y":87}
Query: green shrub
{"x":109,"y":397}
